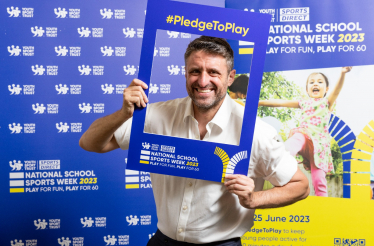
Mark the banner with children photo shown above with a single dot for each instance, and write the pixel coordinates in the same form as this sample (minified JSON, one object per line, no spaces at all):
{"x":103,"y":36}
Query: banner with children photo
{"x":317,"y":92}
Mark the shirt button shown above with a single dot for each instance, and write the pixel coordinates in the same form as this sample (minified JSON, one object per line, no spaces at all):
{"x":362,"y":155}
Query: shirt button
{"x":180,"y":230}
{"x":185,"y":207}
{"x":190,"y":184}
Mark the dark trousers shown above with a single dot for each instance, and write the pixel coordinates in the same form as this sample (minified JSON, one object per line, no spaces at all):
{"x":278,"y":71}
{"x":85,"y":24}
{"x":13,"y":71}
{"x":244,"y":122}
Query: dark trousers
{"x":159,"y":239}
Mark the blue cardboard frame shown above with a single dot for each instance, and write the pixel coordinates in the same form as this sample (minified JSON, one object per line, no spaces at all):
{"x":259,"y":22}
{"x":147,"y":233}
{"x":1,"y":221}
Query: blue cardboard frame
{"x":214,"y":165}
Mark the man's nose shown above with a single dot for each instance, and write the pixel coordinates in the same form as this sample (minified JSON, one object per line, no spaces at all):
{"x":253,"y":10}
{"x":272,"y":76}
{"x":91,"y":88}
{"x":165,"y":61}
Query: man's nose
{"x":204,"y":79}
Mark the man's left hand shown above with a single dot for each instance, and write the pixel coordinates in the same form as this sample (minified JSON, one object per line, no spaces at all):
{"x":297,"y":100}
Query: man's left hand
{"x":242,"y":186}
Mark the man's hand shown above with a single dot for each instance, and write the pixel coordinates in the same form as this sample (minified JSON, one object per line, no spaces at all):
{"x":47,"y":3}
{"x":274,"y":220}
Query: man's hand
{"x":346,"y":69}
{"x":242,"y":186}
{"x":296,"y":189}
{"x":134,"y":95}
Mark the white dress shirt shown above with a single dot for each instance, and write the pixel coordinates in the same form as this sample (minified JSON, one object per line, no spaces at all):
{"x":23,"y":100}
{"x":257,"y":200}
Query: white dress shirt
{"x":199,"y":211}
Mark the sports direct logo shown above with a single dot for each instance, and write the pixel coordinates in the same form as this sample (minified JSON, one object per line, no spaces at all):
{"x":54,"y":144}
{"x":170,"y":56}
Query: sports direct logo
{"x":202,"y":25}
{"x":294,"y":14}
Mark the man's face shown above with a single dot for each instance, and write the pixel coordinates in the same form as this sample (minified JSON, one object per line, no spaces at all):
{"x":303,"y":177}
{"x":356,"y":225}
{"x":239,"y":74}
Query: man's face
{"x":207,"y":79}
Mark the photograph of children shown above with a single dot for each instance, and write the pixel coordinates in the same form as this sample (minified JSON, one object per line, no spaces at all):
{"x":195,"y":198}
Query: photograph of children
{"x":302,"y":102}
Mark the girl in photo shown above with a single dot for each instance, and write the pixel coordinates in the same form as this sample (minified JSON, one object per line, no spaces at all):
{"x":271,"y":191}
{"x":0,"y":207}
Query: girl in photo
{"x":311,"y":140}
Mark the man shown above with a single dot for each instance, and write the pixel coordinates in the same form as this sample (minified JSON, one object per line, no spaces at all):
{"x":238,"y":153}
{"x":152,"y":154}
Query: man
{"x":197,"y":211}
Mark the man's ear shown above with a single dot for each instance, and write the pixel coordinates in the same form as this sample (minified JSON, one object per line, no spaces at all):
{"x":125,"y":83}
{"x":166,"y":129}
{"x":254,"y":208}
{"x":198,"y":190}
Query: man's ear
{"x":231,"y":77}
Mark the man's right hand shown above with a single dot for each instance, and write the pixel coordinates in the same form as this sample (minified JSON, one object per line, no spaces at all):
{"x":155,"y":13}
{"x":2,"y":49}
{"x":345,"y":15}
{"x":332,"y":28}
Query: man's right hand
{"x":99,"y":137}
{"x":134,"y":95}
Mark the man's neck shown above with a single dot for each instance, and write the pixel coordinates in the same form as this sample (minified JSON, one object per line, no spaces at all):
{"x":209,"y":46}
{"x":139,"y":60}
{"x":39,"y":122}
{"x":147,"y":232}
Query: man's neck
{"x":203,"y":117}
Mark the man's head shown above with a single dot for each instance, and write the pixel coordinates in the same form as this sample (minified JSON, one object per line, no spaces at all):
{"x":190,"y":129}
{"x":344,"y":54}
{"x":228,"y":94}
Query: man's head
{"x":209,"y":62}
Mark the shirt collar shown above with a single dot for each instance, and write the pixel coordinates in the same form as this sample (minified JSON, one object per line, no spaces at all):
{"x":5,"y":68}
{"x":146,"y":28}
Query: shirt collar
{"x":222,"y":116}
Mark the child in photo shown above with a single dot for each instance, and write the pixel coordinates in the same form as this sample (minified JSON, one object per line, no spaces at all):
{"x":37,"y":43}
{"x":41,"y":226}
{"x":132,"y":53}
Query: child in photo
{"x":311,"y":139}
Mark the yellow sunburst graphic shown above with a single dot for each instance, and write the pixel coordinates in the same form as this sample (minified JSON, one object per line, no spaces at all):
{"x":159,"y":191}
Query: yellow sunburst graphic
{"x":225,"y":160}
{"x":360,"y":165}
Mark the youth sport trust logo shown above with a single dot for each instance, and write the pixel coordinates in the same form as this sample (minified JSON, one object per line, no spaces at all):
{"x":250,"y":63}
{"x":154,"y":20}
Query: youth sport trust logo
{"x":14,"y":89}
{"x":62,"y":13}
{"x":107,"y":89}
{"x":62,"y":89}
{"x":132,"y":220}
{"x":62,"y":127}
{"x":61,"y":51}
{"x":173,"y":34}
{"x":86,"y":70}
{"x":130,"y":69}
{"x":175,"y":70}
{"x":130,"y":32}
{"x":16,"y":166}
{"x":15,"y":128}
{"x":229,"y":164}
{"x":87,"y":222}
{"x":15,"y":12}
{"x":64,"y":241}
{"x":40,"y":224}
{"x":85,"y":32}
{"x":14,"y":51}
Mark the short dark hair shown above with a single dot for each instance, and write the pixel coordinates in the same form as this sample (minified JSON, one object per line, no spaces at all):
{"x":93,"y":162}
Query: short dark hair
{"x":212,"y":45}
{"x":240,"y":84}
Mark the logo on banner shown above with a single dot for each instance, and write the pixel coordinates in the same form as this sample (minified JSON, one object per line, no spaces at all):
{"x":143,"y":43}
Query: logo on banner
{"x":40,"y":224}
{"x":39,"y":109}
{"x":52,"y":70}
{"x":15,"y":90}
{"x":153,"y":88}
{"x":132,"y":220}
{"x":29,"y":128}
{"x":267,"y":11}
{"x":74,"y":13}
{"x":107,"y":51}
{"x":62,"y":127}
{"x":129,"y":33}
{"x":62,"y":89}
{"x":60,"y":13}
{"x":84,"y":32}
{"x":37,"y":31}
{"x":75,"y":51}
{"x":129,"y":70}
{"x":120,"y":88}
{"x":229,"y":164}
{"x":119,"y":14}
{"x":38,"y":70}
{"x":108,"y":89}
{"x":28,"y":89}
{"x":84,"y":70}
{"x":164,"y":51}
{"x":155,"y":52}
{"x":87,"y":222}
{"x":165,"y":88}
{"x":120,"y":51}
{"x":294,"y":14}
{"x":173,"y":34}
{"x":61,"y":51}
{"x":14,"y":51}
{"x":16,"y":166}
{"x":98,"y":70}
{"x":97,"y":32}
{"x":52,"y":108}
{"x":75,"y":89}
{"x":15,"y":128}
{"x":174,"y":70}
{"x":140,"y":32}
{"x":13,"y":12}
{"x":85,"y":108}
{"x":17,"y":243}
{"x":64,"y":242}
{"x":106,"y":13}
{"x":28,"y":12}
{"x":110,"y":240}
{"x":76,"y":127}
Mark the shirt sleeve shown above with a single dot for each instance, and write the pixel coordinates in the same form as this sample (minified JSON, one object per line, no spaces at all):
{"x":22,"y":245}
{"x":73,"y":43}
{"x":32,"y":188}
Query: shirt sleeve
{"x":122,"y":134}
{"x":269,"y":159}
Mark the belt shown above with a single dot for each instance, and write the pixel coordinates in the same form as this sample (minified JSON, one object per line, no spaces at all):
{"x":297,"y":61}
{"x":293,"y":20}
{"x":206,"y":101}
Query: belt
{"x":167,"y":241}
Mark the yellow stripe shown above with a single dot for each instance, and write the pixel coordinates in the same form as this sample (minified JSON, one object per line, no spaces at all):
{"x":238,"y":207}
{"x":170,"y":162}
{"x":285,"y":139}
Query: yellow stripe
{"x":365,"y":139}
{"x":144,"y":162}
{"x":360,"y":166}
{"x":371,"y":123}
{"x":368,"y":131}
{"x":361,"y":192}
{"x":132,"y":186}
{"x":362,"y":146}
{"x":245,"y":51}
{"x":17,"y":190}
{"x":360,"y":155}
{"x":360,"y":178}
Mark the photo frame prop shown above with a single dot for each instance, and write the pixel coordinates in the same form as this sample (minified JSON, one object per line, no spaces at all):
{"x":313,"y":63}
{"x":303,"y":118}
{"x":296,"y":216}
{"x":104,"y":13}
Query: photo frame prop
{"x":190,"y":157}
